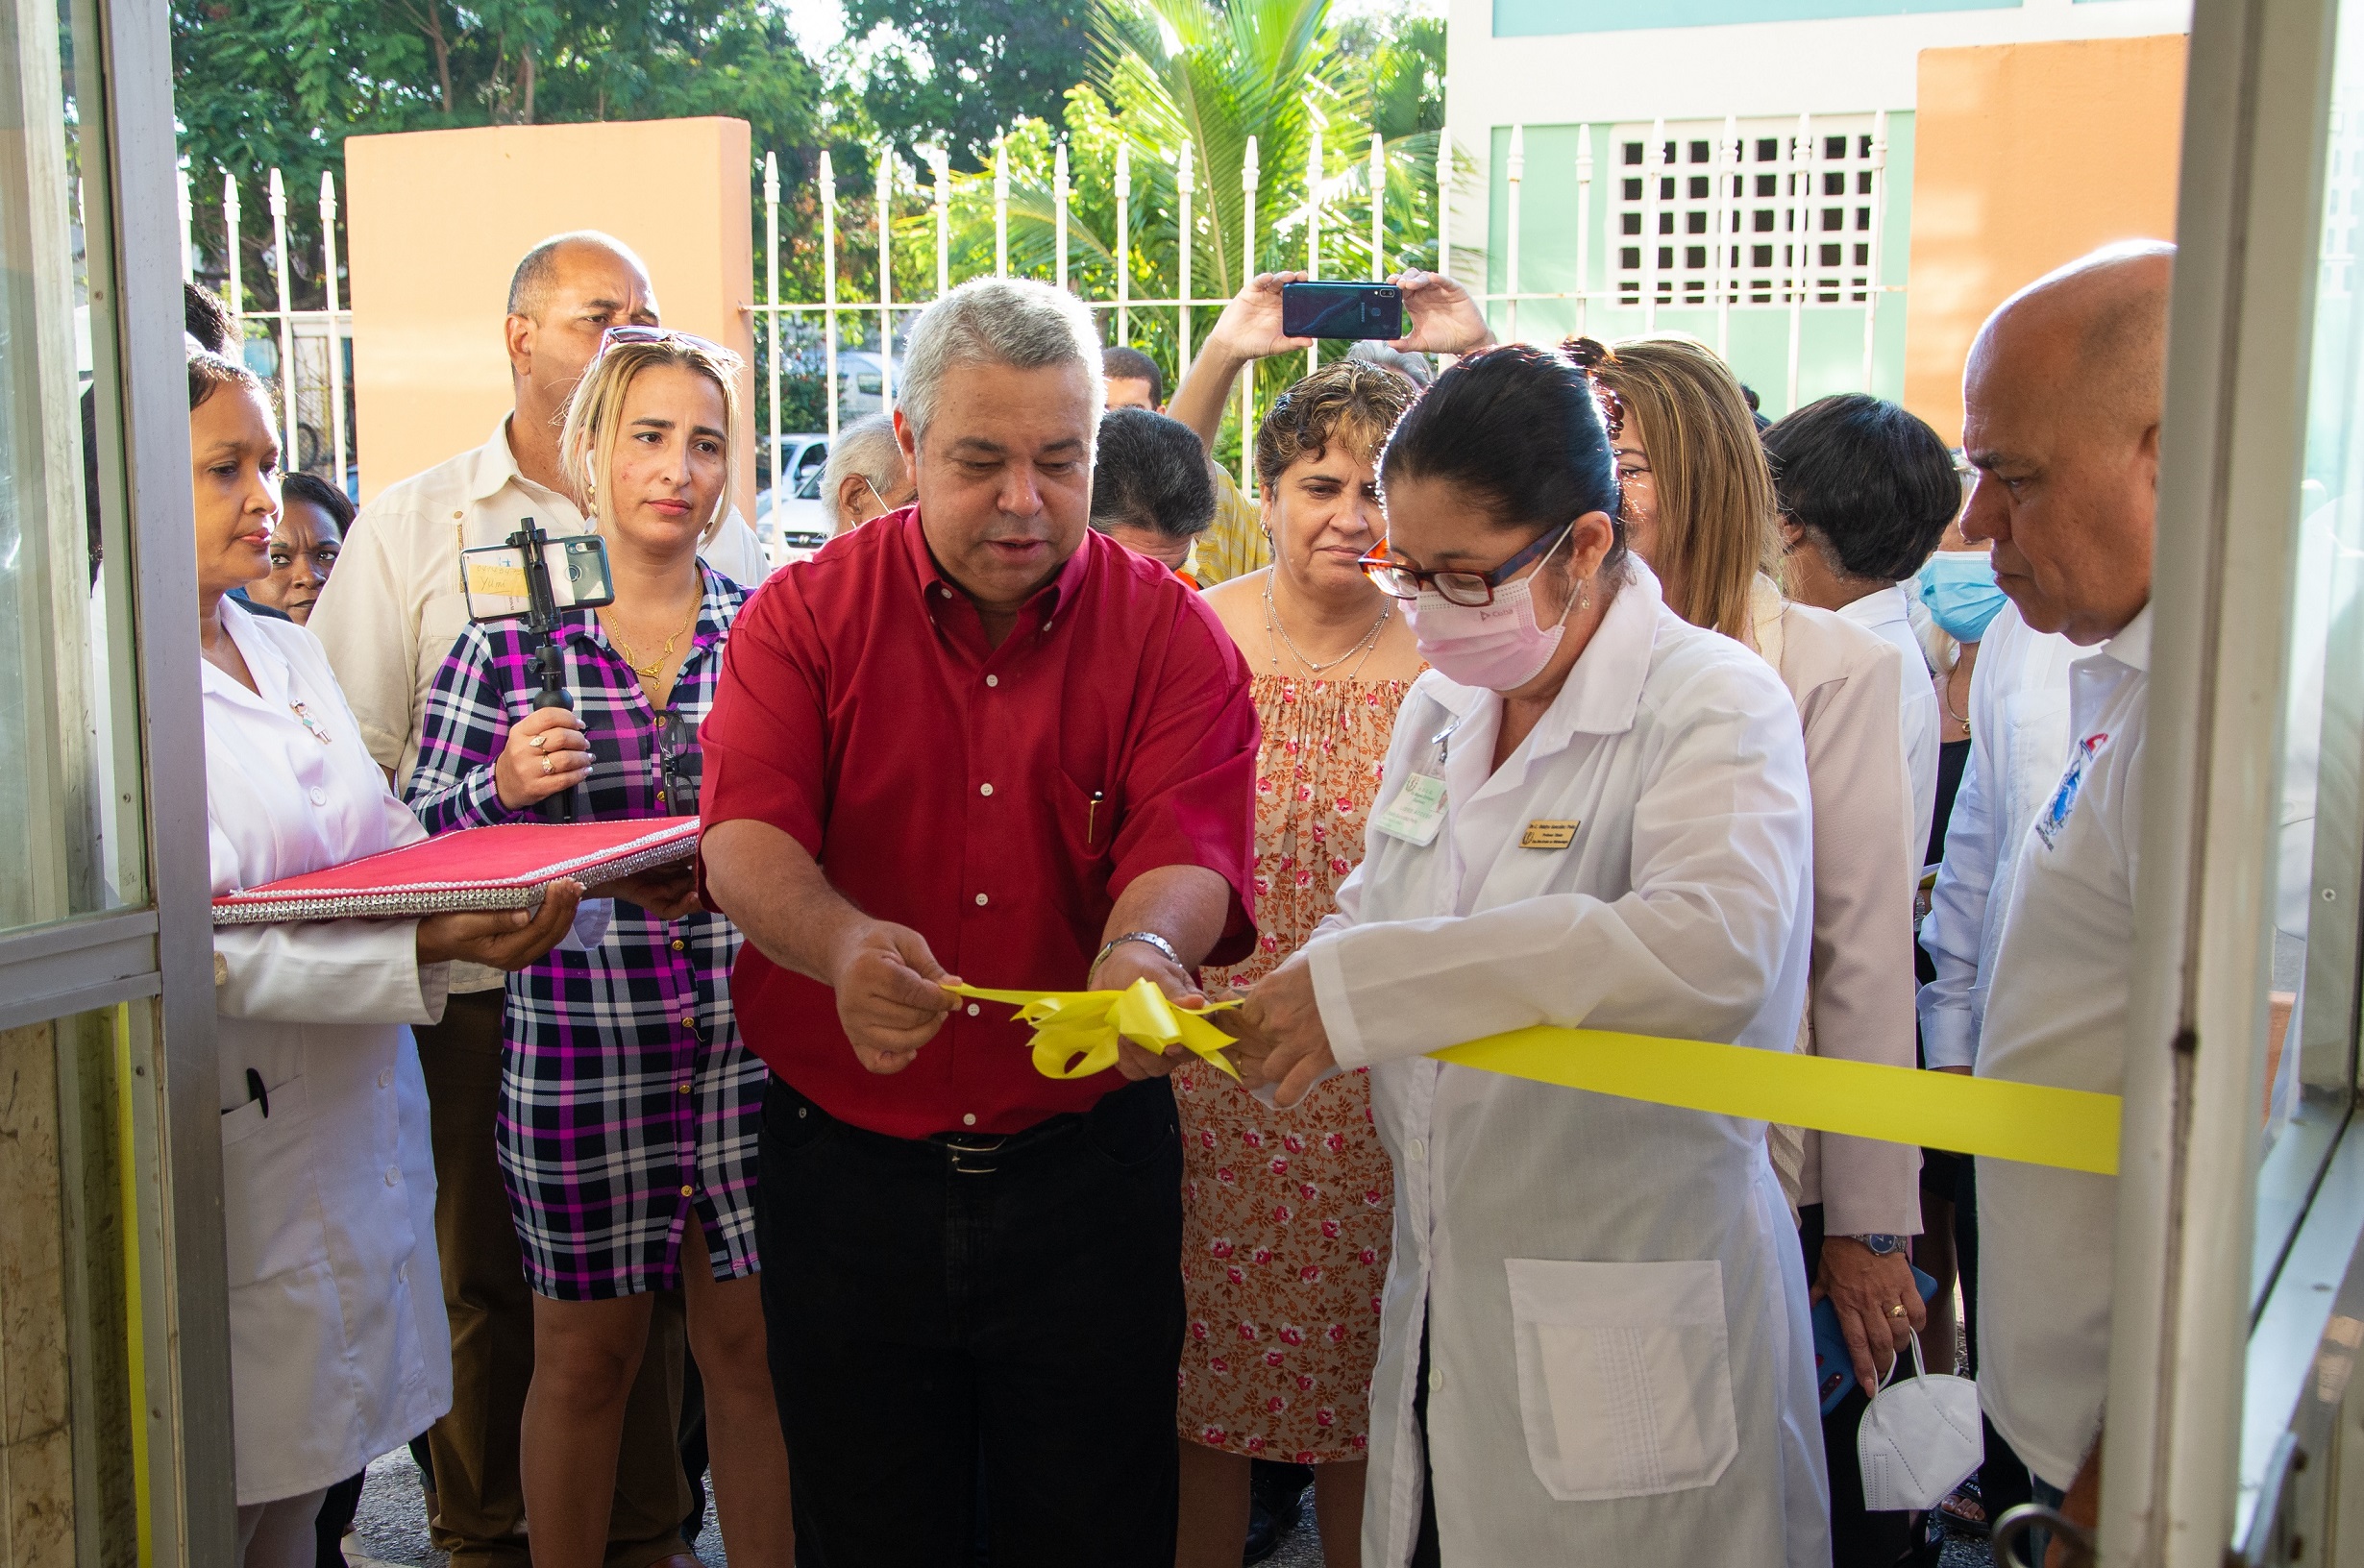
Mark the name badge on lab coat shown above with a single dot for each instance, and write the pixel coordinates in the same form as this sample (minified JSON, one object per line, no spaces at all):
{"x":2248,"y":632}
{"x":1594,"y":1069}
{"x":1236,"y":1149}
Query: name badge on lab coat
{"x":1548,"y":835}
{"x":1416,"y":812}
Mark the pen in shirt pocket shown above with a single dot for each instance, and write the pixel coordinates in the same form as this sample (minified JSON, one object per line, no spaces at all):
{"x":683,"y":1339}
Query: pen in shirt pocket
{"x":1092,"y":815}
{"x":256,"y":1091}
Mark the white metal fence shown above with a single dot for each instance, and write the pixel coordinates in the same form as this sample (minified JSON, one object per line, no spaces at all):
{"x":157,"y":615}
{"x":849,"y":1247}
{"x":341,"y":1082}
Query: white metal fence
{"x":1720,"y":229}
{"x":328,"y":331}
{"x":1335,"y":196}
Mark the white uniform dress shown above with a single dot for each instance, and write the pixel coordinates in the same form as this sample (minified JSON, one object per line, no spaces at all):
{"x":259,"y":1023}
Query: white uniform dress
{"x":339,"y":1348}
{"x":1611,"y":1292}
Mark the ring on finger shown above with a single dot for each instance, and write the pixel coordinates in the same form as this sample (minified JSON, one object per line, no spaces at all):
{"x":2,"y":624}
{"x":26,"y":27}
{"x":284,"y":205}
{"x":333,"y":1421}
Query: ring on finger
{"x":539,"y":741}
{"x":1896,"y":1309}
{"x":545,"y":765}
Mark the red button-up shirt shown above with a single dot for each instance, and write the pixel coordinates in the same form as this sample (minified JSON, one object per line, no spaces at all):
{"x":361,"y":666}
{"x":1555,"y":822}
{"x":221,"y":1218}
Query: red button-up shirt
{"x":997,"y":800}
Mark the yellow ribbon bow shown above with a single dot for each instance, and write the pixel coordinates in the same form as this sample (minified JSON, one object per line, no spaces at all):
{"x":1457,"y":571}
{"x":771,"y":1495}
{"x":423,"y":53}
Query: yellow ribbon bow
{"x":1076,"y":1031}
{"x":1076,"y":1036}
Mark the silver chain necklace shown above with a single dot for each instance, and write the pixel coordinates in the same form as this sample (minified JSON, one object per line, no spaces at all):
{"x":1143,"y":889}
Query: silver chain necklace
{"x":1281,"y":639}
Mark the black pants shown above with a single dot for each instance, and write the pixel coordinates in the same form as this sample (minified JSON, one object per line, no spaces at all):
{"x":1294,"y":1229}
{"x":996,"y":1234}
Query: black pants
{"x":937,"y":1314}
{"x":1860,"y":1538}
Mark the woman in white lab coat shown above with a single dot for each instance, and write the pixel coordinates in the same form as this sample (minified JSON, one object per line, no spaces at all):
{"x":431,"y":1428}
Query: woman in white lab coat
{"x":1593,"y":1345}
{"x":339,"y":1349}
{"x":1700,"y":507}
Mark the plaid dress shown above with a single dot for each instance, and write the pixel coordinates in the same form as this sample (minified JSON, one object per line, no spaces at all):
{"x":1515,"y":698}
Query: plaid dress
{"x":626,"y":1100}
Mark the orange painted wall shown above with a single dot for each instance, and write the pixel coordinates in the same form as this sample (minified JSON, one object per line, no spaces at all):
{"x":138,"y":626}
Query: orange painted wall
{"x":2027,"y":156}
{"x":437,"y":221}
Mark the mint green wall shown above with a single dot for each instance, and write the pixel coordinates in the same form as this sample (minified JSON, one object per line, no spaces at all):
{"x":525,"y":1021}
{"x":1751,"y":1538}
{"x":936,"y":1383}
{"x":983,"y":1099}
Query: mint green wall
{"x":1529,"y":18}
{"x":1831,"y":341}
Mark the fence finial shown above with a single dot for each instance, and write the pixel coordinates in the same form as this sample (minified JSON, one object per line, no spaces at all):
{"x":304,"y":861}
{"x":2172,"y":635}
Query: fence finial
{"x":886,"y":277}
{"x":1001,"y":205}
{"x":337,"y":337}
{"x":232,"y":248}
{"x":1124,"y":241}
{"x":1185,"y":242}
{"x":1059,"y":194}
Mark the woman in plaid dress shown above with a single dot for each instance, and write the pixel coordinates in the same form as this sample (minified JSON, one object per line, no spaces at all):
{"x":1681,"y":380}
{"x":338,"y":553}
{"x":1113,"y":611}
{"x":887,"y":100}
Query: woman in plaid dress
{"x":629,"y":1107}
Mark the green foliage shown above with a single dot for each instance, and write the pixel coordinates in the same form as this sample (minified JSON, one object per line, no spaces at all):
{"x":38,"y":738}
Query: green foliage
{"x":954,"y":73}
{"x":1175,"y":73}
{"x":266,"y":83}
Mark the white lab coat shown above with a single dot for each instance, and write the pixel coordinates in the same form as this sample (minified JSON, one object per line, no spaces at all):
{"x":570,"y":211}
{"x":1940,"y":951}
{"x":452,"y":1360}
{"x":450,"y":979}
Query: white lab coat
{"x":339,"y":1348}
{"x":1611,"y":1292}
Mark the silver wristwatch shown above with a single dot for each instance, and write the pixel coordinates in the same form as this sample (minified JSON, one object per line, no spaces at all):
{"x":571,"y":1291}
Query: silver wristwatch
{"x":1882,"y":1244}
{"x":1150,"y":937}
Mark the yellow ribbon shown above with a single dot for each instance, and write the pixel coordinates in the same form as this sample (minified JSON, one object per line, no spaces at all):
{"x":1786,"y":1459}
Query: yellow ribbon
{"x":2037,"y":1124}
{"x":1076,"y":1031}
{"x":1076,"y":1036}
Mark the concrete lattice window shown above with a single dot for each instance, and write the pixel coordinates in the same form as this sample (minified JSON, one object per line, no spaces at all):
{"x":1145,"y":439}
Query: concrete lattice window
{"x":1776,"y":179}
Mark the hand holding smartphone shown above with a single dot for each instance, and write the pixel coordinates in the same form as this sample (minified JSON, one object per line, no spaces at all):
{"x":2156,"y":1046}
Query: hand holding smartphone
{"x":1342,"y":310}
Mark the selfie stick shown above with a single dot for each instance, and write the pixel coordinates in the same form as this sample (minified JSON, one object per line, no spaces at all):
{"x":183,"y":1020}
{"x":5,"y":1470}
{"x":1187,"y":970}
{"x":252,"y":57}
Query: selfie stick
{"x":542,"y":621}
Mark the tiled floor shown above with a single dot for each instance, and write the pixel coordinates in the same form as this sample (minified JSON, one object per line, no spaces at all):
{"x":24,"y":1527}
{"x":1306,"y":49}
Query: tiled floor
{"x":392,"y":1529}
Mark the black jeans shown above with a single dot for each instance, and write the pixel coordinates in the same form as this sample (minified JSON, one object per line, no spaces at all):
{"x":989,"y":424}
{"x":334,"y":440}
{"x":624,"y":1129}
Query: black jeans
{"x":1860,"y":1538}
{"x":1016,"y":1309}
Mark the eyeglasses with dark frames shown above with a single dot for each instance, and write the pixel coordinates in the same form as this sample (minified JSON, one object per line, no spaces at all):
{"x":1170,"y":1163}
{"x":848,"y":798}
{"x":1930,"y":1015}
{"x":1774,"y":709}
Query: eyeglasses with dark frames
{"x":680,"y":766}
{"x":1470,"y":589}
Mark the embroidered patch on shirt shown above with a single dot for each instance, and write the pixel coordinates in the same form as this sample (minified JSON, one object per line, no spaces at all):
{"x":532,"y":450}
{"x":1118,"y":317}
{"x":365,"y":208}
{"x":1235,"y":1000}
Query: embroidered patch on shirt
{"x":2056,"y":815}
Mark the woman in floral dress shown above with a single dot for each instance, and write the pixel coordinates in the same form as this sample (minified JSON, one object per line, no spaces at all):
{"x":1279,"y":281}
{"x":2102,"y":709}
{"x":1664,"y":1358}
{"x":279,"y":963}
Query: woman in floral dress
{"x":1286,"y":1214}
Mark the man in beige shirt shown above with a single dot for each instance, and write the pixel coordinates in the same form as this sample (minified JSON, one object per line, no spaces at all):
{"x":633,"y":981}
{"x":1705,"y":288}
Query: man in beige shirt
{"x":389,"y":618}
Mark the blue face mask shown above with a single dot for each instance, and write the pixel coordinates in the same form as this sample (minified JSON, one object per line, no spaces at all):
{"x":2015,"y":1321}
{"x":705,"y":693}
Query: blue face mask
{"x":1958,"y":587}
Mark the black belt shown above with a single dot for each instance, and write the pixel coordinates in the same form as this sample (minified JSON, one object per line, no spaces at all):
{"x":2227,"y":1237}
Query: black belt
{"x":980,"y":1154}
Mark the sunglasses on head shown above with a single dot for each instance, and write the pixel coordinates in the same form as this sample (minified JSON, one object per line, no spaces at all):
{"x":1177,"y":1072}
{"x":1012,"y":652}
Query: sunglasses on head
{"x":615,"y":336}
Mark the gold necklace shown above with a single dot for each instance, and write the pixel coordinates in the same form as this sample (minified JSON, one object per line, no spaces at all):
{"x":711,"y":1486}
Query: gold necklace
{"x":656,"y":666}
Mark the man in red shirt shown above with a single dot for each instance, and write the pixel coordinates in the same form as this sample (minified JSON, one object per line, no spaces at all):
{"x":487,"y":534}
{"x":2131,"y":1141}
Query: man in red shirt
{"x":973,"y":737}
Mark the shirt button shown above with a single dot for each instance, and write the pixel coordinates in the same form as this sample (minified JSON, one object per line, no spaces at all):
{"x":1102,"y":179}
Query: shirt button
{"x":973,"y":1010}
{"x":393,"y":1176}
{"x":685,"y":1193}
{"x":969,"y":1120}
{"x":687,"y":1020}
{"x":685,"y":1088}
{"x":1436,"y":1377}
{"x":403,"y":1273}
{"x":981,"y":788}
{"x":980,"y":899}
{"x":320,"y":797}
{"x":992,"y":680}
{"x":386,"y":1077}
{"x":1419,"y":1149}
{"x":677,"y":944}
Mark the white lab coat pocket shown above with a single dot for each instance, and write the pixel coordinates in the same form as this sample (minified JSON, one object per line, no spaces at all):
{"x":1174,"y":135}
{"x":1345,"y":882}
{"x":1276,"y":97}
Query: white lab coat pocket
{"x":1624,"y":1376}
{"x":271,"y":1216}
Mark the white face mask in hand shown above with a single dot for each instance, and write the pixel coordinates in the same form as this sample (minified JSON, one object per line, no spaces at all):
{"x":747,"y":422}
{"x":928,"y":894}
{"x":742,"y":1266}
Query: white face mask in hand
{"x":1919,"y":1439}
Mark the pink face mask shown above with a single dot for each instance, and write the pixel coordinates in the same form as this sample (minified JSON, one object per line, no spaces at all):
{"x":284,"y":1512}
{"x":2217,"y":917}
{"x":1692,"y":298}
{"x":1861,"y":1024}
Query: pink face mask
{"x":1498,"y":647}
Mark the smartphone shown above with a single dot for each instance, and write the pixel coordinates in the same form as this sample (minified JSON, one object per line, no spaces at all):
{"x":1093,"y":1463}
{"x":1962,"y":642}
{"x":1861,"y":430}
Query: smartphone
{"x":1834,"y":1363}
{"x":1342,"y":310}
{"x":493,"y":576}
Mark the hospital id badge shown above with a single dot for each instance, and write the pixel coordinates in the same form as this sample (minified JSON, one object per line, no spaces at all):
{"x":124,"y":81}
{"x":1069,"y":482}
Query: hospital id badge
{"x":1416,"y":812}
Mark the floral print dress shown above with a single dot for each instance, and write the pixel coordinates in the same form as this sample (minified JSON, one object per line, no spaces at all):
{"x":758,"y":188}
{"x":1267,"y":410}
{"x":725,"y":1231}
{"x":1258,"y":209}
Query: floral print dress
{"x":1286,"y":1214}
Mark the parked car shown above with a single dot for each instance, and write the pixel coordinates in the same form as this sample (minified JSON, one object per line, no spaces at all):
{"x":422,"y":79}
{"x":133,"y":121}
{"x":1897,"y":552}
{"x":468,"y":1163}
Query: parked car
{"x":860,"y":389}
{"x":800,"y":458}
